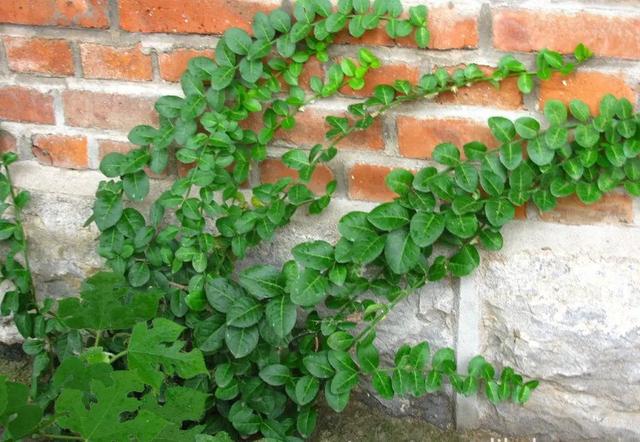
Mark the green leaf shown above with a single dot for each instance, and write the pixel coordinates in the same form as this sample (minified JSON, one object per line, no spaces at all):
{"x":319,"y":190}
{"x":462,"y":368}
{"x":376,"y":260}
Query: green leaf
{"x":502,"y":128}
{"x":241,"y":341}
{"x":262,"y":281}
{"x":462,"y":226}
{"x":318,"y":365}
{"x":340,"y":341}
{"x":222,"y":77}
{"x":296,"y":159}
{"x":306,"y":390}
{"x":447,"y":154}
{"x":237,"y":40}
{"x":556,"y":112}
{"x":582,"y":53}
{"x":587,"y":135}
{"x":401,"y":253}
{"x":466,"y":177}
{"x":527,"y":127}
{"x":382,"y":384}
{"x":474,"y":150}
{"x":465,"y":261}
{"x":525,"y":83}
{"x":150,"y":348}
{"x":368,"y":357}
{"x":384,"y":93}
{"x":306,"y":421}
{"x":251,"y":70}
{"x":399,"y":180}
{"x":355,"y":226}
{"x":344,"y":381}
{"x":423,"y":37}
{"x":366,"y":250}
{"x":310,"y":288}
{"x":111,"y":164}
{"x":136,"y":185}
{"x":107,"y":210}
{"x":499,"y":211}
{"x":280,"y":20}
{"x":244,"y":312}
{"x":107,"y":302}
{"x":538,"y":152}
{"x":389,"y":216}
{"x":317,"y":255}
{"x":222,"y":293}
{"x":101,"y":418}
{"x":511,"y":155}
{"x":281,"y":315}
{"x":588,"y":193}
{"x":426,"y":228}
{"x":580,"y":110}
{"x":276,"y":374}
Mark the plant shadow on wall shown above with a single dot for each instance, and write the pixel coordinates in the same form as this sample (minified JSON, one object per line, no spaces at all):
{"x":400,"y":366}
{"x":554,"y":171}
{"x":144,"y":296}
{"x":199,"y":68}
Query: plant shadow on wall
{"x":175,"y":344}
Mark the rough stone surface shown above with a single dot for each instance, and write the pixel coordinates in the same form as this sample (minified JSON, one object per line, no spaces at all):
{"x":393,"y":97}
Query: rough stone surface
{"x":561,"y":305}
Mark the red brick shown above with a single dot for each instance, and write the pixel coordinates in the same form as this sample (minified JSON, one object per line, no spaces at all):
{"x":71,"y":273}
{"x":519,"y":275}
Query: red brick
{"x":272,"y":170}
{"x":589,"y":87}
{"x":311,"y":127}
{"x":366,"y":182}
{"x":507,"y":96}
{"x":174,"y":63}
{"x":612,"y":208}
{"x":39,"y":55}
{"x":190,"y":16}
{"x":21,"y":104}
{"x":82,"y":13}
{"x":107,"y":111}
{"x":385,"y":74}
{"x":525,"y":30}
{"x":311,"y":68}
{"x":110,"y":62}
{"x":61,"y":151}
{"x":418,"y":137}
{"x":449,"y":28}
{"x":7,"y":142}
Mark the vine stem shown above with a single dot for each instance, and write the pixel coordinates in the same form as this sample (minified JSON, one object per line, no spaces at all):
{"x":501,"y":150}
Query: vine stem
{"x":25,"y":251}
{"x":118,"y":356}
{"x":59,"y":436}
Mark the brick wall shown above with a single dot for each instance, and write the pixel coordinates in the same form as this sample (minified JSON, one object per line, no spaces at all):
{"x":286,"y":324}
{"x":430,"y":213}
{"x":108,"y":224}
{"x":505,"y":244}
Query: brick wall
{"x":76,"y":75}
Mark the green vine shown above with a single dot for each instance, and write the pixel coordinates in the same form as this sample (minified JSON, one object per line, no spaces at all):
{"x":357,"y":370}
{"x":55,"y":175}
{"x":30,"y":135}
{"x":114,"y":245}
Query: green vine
{"x":176,"y":344}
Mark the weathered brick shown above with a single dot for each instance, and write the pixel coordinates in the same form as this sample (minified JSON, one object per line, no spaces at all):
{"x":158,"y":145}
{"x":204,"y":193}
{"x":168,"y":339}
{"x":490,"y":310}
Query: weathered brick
{"x":418,"y":137}
{"x":385,"y":74}
{"x":107,"y":111}
{"x":507,"y":96}
{"x":7,"y":142}
{"x":28,"y":105}
{"x":61,"y":151}
{"x":39,"y":55}
{"x":271,"y":170}
{"x":612,"y":208}
{"x":82,"y":13}
{"x":527,"y":30}
{"x":190,"y":16}
{"x":449,"y":29}
{"x":110,"y":62}
{"x":311,"y":127}
{"x":366,"y":182}
{"x":174,"y":63}
{"x":589,"y":87}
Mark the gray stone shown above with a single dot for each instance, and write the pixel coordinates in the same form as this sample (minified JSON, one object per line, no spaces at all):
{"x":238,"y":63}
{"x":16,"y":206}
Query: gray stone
{"x":561,"y":304}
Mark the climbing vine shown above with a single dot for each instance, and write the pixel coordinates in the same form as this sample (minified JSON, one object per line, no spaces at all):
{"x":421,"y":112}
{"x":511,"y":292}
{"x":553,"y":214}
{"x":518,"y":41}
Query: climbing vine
{"x":176,"y":343}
